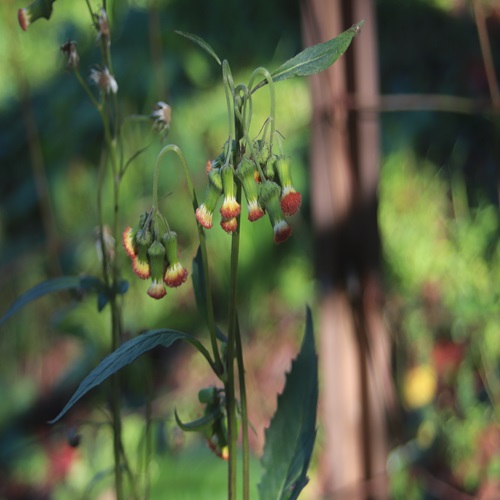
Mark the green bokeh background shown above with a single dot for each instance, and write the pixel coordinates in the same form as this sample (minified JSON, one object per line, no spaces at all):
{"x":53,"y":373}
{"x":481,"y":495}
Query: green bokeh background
{"x":438,"y":216}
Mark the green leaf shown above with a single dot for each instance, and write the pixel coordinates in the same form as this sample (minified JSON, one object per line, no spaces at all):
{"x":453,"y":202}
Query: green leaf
{"x":314,"y":59}
{"x":50,"y":286}
{"x":291,"y":434}
{"x":199,"y":41}
{"x":126,"y":354}
{"x":200,"y":424}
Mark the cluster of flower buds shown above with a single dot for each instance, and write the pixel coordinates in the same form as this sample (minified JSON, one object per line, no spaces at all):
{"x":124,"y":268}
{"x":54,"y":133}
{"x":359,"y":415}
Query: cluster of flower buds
{"x":274,"y":195}
{"x":216,"y":432}
{"x":213,"y":423}
{"x":154,"y":256}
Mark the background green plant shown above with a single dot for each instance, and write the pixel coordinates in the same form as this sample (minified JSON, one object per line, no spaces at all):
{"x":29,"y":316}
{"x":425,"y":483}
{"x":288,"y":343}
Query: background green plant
{"x":435,"y":52}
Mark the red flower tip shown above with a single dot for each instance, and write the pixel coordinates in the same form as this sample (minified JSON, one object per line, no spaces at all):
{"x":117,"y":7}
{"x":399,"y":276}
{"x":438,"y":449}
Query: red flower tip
{"x":229,"y":225}
{"x":208,"y":166}
{"x":175,"y":275}
{"x":282,"y":231}
{"x":128,"y":242}
{"x":141,"y":268}
{"x":230,"y":208}
{"x":204,"y":217}
{"x":157,"y":290}
{"x":23,"y":17}
{"x":255,"y":211}
{"x":290,"y":201}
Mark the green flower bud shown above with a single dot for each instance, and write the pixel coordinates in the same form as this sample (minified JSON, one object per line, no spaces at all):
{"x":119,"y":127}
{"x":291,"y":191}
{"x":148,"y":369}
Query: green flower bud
{"x":270,"y":199}
{"x":246,"y":175}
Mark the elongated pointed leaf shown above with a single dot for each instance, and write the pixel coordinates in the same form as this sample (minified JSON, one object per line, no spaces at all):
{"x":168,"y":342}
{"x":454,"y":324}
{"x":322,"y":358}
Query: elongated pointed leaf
{"x":200,"y":424}
{"x":50,"y":286}
{"x":199,"y":41}
{"x":314,"y":59}
{"x":290,"y":437}
{"x":124,"y":355}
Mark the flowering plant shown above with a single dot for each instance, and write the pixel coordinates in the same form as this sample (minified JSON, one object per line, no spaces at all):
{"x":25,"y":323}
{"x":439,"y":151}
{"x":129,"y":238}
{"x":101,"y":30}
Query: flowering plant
{"x":257,"y":170}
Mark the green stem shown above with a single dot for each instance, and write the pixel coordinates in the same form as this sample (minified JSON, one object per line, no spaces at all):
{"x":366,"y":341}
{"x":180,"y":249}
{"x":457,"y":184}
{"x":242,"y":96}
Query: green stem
{"x":217,"y":366}
{"x":228,"y":88}
{"x":244,"y":413}
{"x":90,"y":10}
{"x":238,"y":126}
{"x":230,"y":386}
{"x":87,"y":90}
{"x":269,"y":78}
{"x":246,"y":118}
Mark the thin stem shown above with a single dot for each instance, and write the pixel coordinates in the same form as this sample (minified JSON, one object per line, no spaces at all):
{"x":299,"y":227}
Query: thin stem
{"x":232,"y":331}
{"x":486,"y":53}
{"x":203,"y":247}
{"x":268,"y":77}
{"x":230,"y":389}
{"x":90,"y":9}
{"x":244,"y":413}
{"x":228,"y":88}
{"x":87,"y":90}
{"x":245,"y":119}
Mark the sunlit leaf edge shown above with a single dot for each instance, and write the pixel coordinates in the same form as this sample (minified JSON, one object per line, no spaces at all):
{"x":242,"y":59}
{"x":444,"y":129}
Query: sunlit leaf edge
{"x":201,"y":43}
{"x":284,"y":477}
{"x":124,"y":355}
{"x":314,"y":59}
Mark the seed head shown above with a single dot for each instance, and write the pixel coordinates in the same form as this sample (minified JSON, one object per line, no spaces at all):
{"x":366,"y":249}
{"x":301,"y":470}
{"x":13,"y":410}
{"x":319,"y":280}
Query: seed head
{"x":104,"y":80}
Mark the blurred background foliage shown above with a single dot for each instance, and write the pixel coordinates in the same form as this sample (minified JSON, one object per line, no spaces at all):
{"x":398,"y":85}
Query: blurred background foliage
{"x":438,"y":216}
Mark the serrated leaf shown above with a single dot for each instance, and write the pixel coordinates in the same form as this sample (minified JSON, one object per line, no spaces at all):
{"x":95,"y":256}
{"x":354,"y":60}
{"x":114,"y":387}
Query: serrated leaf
{"x":49,"y":286}
{"x":314,"y":59}
{"x":124,"y":355}
{"x":291,"y":434}
{"x":200,"y":42}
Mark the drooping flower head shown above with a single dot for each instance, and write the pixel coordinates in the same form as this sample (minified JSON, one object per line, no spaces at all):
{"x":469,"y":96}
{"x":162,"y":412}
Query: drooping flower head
{"x":246,"y":175}
{"x":24,"y":18}
{"x":156,"y":255}
{"x":291,"y":199}
{"x":34,"y":11}
{"x":104,"y":80}
{"x":70,"y":50}
{"x":270,"y":198}
{"x":204,"y":213}
{"x":230,"y":207}
{"x":129,"y":236}
{"x":162,"y":115}
{"x":140,"y":264}
{"x":102,"y":25}
{"x":229,"y":225}
{"x":175,"y":275}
